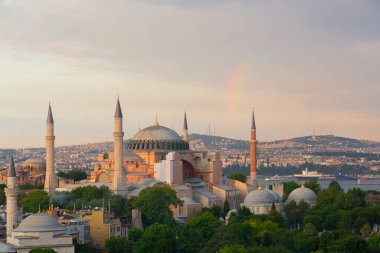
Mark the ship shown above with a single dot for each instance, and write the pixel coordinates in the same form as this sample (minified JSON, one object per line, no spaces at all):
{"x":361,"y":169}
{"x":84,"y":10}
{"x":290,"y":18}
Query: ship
{"x":315,"y":175}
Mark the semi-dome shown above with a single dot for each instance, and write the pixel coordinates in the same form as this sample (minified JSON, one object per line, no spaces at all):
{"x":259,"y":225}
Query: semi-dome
{"x":39,"y":223}
{"x":259,"y":197}
{"x":304,"y":194}
{"x":34,"y":161}
{"x":157,"y":137}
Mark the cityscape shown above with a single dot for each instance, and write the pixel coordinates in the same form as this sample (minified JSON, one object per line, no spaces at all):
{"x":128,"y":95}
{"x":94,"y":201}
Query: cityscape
{"x":103,"y":144}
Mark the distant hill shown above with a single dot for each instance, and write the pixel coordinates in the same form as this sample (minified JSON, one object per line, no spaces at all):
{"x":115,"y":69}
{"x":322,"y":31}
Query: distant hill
{"x":321,"y":142}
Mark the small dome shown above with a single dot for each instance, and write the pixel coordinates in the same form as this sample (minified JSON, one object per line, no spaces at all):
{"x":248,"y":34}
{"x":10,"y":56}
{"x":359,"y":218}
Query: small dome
{"x":304,"y":194}
{"x":259,"y":197}
{"x":155,"y":133}
{"x":34,"y":161}
{"x":276,"y":196}
{"x":39,"y":223}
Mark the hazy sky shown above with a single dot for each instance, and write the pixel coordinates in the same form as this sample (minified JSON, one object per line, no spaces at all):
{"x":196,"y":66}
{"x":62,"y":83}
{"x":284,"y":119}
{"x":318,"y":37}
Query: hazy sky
{"x":296,"y":62}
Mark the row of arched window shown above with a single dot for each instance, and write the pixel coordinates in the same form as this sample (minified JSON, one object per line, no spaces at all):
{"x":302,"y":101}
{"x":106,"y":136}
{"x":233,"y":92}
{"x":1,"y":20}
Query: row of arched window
{"x":158,"y":145}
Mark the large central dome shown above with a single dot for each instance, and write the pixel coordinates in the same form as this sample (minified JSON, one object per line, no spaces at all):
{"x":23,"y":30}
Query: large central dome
{"x":157,"y":137}
{"x":155,"y":133}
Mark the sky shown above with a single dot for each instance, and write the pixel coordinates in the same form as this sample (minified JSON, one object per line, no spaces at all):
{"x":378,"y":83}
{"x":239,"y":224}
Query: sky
{"x":298,"y":63}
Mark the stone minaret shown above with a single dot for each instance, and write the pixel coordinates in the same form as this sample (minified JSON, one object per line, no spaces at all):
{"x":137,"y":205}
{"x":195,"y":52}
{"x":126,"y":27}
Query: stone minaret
{"x":118,"y":182}
{"x":11,"y":194}
{"x":185,"y":129}
{"x":50,"y":177}
{"x":253,"y":150}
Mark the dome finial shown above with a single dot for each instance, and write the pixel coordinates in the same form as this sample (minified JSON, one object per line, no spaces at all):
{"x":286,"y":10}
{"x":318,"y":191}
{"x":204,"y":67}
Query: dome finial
{"x":259,"y":188}
{"x":156,"y":123}
{"x":302,"y":185}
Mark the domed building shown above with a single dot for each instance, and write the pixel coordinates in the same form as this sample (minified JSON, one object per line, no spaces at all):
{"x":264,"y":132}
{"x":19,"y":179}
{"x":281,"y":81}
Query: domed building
{"x":159,"y":152}
{"x":31,"y":171}
{"x":304,"y":194}
{"x":261,"y":201}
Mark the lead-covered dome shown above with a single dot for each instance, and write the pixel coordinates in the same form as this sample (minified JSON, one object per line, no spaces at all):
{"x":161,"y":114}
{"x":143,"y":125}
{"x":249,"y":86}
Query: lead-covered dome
{"x":155,"y":133}
{"x":39,"y":223}
{"x":157,"y":138}
{"x":34,"y":161}
{"x":259,"y":197}
{"x":304,"y":194}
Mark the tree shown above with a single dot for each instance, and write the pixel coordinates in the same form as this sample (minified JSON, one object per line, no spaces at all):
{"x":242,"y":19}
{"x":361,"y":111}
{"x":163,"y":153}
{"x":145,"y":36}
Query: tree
{"x":134,"y":234}
{"x":154,"y":203}
{"x":157,"y":238}
{"x":238,"y":176}
{"x":42,"y":250}
{"x":2,"y":194}
{"x":226,"y":208}
{"x":313,"y":185}
{"x":83,"y":248}
{"x":374,"y":243}
{"x":35,"y":201}
{"x":194,"y":235}
{"x":289,"y":187}
{"x":76,"y":174}
{"x":118,"y":245}
{"x":348,"y":244}
{"x":233,"y":248}
{"x":334,"y":185}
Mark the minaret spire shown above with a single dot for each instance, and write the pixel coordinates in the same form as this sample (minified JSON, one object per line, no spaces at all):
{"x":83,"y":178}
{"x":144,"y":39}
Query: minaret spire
{"x":185,"y":128}
{"x":118,"y":183}
{"x":50,"y":177}
{"x":253,"y":150}
{"x":11,"y":193}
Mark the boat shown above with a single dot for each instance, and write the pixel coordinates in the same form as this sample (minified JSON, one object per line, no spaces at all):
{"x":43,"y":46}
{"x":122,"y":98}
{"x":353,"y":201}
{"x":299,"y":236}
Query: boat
{"x":308,"y":175}
{"x":275,"y":178}
{"x":315,"y":175}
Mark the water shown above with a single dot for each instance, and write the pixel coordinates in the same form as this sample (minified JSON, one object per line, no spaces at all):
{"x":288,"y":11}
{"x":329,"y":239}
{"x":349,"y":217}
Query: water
{"x":364,"y":185}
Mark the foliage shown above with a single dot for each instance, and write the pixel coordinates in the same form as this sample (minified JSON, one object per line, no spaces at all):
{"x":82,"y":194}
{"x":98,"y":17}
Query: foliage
{"x":289,"y":187}
{"x":194,"y":235}
{"x":374,"y":243}
{"x":155,"y":202}
{"x":215,"y":210}
{"x":41,"y":250}
{"x":238,"y":176}
{"x":31,"y":186}
{"x":83,"y":248}
{"x":76,"y":175}
{"x":233,"y":248}
{"x":35,"y":201}
{"x":348,"y":244}
{"x":118,"y":245}
{"x":2,"y":194}
{"x":313,"y":185}
{"x":135,"y":234}
{"x":226,"y":208}
{"x":157,"y":238}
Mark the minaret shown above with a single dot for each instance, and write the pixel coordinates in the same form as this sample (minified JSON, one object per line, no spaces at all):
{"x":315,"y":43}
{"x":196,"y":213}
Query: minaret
{"x":50,"y":177}
{"x":253,"y":150}
{"x":118,"y":182}
{"x":185,"y":129}
{"x":11,"y":194}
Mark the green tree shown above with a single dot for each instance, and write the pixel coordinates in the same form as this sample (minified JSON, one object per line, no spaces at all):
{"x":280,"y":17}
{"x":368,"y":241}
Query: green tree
{"x":134,"y":234}
{"x":194,"y":235}
{"x":374,"y":243}
{"x":348,"y":244}
{"x":42,"y":250}
{"x":313,"y":185}
{"x":157,"y":238}
{"x":76,"y":175}
{"x":118,"y":245}
{"x":2,"y":194}
{"x":334,"y":185}
{"x":289,"y":187}
{"x":237,"y":176}
{"x":35,"y":201}
{"x":83,"y":248}
{"x":233,"y":248}
{"x":226,"y":207}
{"x":154,"y":203}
